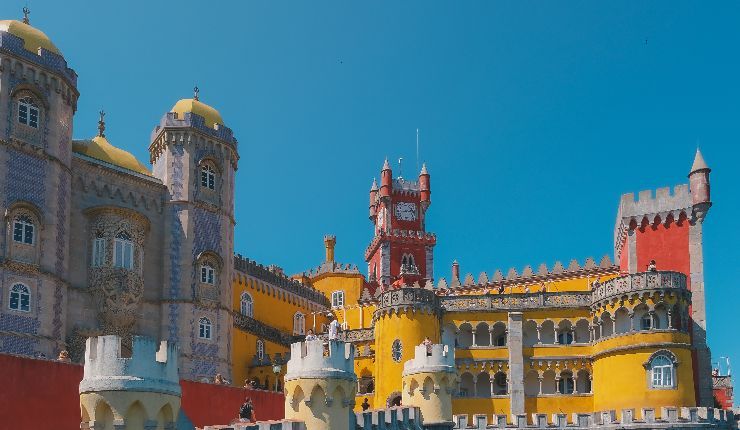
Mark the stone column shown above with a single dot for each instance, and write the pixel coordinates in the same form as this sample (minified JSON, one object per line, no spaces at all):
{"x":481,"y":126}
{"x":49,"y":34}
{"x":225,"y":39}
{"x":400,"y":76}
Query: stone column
{"x":516,"y":363}
{"x":698,"y":313}
{"x":474,"y":340}
{"x":490,"y":337}
{"x":631,"y":251}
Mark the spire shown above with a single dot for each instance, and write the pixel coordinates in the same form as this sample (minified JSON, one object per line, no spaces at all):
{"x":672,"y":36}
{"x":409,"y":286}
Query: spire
{"x":424,"y":169}
{"x":196,"y":90}
{"x":386,"y":166}
{"x":101,"y":124}
{"x":699,"y":163}
{"x":26,"y":12}
{"x":375,"y":186}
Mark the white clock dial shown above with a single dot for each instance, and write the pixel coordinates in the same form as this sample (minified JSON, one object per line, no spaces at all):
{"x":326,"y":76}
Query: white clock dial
{"x":406,"y":211}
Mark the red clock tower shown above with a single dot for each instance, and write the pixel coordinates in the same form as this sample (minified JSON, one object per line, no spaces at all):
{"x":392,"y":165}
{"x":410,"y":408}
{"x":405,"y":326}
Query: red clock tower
{"x":401,"y":249}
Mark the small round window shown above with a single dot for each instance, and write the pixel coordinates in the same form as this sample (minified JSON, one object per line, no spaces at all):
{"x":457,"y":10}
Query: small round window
{"x":396,"y":350}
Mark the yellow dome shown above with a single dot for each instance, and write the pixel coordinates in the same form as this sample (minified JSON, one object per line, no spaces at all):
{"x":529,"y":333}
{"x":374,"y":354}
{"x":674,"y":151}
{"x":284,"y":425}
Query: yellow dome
{"x":100,"y":149}
{"x":197,"y":107}
{"x":33,"y":38}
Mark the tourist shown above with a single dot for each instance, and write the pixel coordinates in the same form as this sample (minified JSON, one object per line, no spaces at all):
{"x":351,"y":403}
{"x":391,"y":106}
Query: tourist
{"x":333,"y":328}
{"x":428,"y":343}
{"x":219,"y":379}
{"x":310,"y":336}
{"x":64,"y":356}
{"x":246,"y":411}
{"x":365,"y":405}
{"x":651,"y":267}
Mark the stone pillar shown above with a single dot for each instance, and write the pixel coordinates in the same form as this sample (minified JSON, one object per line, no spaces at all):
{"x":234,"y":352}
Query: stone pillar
{"x":516,"y":363}
{"x":631,"y":251}
{"x":699,"y":316}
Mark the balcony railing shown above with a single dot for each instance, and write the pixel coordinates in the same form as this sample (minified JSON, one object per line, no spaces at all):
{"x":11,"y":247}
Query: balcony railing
{"x":644,"y":281}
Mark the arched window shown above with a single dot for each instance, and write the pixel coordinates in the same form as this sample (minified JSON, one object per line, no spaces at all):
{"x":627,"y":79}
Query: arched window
{"x":396,"y":351}
{"x":204,"y":328}
{"x":247,"y":305}
{"x":565,"y":384}
{"x":28,"y":112}
{"x":207,"y":274}
{"x":207,"y":177}
{"x":299,"y":323}
{"x":646,"y":322}
{"x":23,"y":229}
{"x":98,"y":252}
{"x":123,"y":251}
{"x":661,"y":370}
{"x":20,"y":298}
{"x":337,"y":299}
{"x":260,"y":349}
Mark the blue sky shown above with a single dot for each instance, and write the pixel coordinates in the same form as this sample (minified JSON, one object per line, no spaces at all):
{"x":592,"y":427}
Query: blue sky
{"x":534,"y":116}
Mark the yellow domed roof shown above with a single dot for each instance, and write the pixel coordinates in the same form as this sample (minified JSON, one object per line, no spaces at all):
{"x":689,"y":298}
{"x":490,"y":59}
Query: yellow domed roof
{"x":33,"y":38}
{"x":197,"y":107}
{"x":100,"y":149}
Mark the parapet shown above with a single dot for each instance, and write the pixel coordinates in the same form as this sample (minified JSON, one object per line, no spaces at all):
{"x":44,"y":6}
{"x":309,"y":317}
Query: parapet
{"x":401,"y":417}
{"x":315,"y":360}
{"x":440,"y":358}
{"x":670,"y":418}
{"x":151,"y":367}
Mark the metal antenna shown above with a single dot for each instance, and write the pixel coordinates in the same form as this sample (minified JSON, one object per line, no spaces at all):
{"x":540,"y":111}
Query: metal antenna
{"x":400,"y":167}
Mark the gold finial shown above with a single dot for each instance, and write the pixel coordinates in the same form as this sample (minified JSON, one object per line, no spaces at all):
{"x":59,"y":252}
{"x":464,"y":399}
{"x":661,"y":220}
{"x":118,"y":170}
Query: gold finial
{"x":26,"y":12}
{"x":101,"y":124}
{"x":196,"y":90}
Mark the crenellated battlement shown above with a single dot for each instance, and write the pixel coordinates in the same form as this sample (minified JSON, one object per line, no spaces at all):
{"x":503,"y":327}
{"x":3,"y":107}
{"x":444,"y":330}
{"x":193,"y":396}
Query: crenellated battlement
{"x":435,"y":358}
{"x":314,"y":360}
{"x":670,"y":418}
{"x":151,"y":366}
{"x":650,"y":204}
{"x":402,"y":417}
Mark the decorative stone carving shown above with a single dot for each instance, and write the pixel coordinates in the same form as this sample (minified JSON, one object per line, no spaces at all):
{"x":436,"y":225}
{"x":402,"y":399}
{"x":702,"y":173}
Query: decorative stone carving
{"x":639,"y":282}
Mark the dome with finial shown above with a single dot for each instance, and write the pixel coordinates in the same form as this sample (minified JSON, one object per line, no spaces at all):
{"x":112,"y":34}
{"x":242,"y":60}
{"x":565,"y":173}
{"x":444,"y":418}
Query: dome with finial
{"x":194,"y":105}
{"x":33,"y":38}
{"x":100,"y":149}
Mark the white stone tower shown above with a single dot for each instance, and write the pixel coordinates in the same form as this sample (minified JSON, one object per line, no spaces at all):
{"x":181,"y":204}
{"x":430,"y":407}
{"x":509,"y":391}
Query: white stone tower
{"x":137,"y":392}
{"x":320,"y":385}
{"x":429,"y":379}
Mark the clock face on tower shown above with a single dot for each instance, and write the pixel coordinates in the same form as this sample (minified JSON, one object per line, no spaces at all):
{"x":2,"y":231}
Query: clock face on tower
{"x":406,"y":211}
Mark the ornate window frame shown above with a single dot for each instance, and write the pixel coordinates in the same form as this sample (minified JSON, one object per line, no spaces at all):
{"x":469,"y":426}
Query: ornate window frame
{"x":28,"y":216}
{"x":397,"y":350}
{"x":299,"y":323}
{"x":16,"y":294}
{"x":672,"y":366}
{"x":246,"y":304}
{"x":26,"y":104}
{"x":205,"y":328}
{"x":124,"y":250}
{"x":337,"y":299}
{"x":260,"y":349}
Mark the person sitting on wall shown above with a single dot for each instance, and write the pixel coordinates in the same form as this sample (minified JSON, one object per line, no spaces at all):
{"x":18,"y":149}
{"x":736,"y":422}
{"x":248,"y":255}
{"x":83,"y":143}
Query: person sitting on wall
{"x":365,"y":405}
{"x":651,"y":267}
{"x":64,"y":356}
{"x":246,"y":411}
{"x":219,"y":379}
{"x":428,"y":343}
{"x":310,"y":336}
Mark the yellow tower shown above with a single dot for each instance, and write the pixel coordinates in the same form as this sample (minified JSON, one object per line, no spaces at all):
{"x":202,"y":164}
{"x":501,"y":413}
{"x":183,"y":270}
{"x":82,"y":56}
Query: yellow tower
{"x":320,"y":385}
{"x":429,"y":379}
{"x":403,"y":319}
{"x":135,"y":389}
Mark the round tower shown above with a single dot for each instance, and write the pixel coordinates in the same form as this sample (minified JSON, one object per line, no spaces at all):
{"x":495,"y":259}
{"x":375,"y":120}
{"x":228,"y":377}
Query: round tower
{"x":425,"y":189}
{"x":386,"y":180}
{"x":320,"y":385}
{"x":699,"y":186}
{"x":429,"y":379}
{"x":133,"y":387}
{"x":403,"y":319}
{"x":373,"y":200}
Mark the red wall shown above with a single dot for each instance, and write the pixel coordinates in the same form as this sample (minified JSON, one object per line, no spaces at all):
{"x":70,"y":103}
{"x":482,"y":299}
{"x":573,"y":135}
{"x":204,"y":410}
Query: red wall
{"x":724,"y":397}
{"x":667,"y":245}
{"x":209,"y":404}
{"x":40,"y":394}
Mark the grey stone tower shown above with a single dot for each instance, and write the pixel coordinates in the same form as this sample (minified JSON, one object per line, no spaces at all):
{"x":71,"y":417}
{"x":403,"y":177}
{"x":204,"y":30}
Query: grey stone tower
{"x":195,"y":156}
{"x":38,"y":99}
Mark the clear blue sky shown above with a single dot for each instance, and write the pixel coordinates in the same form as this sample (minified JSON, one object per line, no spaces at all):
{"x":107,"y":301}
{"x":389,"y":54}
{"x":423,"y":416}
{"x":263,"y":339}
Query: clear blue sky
{"x":534,"y":117}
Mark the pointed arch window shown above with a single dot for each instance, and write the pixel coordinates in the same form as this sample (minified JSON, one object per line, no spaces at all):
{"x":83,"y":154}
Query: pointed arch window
{"x":299,"y":324}
{"x":204,"y":328}
{"x":208,"y":177}
{"x":28,"y":112}
{"x":23,"y":230}
{"x":20,"y":298}
{"x":247,"y":305}
{"x":123,"y":251}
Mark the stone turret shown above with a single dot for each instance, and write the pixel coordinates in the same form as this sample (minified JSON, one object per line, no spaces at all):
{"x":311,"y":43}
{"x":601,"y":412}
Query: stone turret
{"x":386,"y":180}
{"x":330,"y":241}
{"x":429,"y":379}
{"x":139,"y":388}
{"x":320,"y":385}
{"x":699,"y":186}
